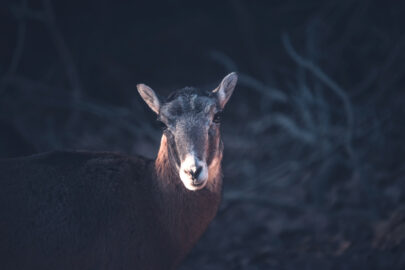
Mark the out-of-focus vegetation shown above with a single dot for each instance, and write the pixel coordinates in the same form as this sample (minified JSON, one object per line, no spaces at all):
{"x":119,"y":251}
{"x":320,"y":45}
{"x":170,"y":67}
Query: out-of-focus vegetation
{"x":314,"y":134}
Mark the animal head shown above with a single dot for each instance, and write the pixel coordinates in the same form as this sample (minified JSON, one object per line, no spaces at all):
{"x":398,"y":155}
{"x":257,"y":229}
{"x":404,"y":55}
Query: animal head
{"x":190,"y":120}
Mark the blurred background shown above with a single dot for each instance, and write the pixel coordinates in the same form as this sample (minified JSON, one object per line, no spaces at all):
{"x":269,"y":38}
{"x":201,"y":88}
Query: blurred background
{"x":314,"y":133}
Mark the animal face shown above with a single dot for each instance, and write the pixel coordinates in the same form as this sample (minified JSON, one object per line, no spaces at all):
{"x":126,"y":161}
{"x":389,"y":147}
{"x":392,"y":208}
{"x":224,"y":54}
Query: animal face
{"x":190,"y":121}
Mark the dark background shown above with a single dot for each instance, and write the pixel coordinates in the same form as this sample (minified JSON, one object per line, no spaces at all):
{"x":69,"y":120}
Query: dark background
{"x":314,"y":133}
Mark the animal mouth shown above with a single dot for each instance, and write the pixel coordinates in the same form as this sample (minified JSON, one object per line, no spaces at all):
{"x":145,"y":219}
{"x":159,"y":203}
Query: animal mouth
{"x":198,"y":184}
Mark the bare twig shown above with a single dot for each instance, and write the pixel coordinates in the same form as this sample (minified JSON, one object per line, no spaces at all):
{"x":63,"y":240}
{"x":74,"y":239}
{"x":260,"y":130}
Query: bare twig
{"x":286,"y":123}
{"x":271,"y":93}
{"x":120,"y":117}
{"x":314,"y":159}
{"x":21,"y":31}
{"x":66,"y":57}
{"x":317,"y":72}
{"x":17,"y":54}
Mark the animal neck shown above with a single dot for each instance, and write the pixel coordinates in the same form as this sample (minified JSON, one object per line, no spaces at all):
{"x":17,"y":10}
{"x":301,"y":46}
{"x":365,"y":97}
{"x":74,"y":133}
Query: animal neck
{"x":186,"y":214}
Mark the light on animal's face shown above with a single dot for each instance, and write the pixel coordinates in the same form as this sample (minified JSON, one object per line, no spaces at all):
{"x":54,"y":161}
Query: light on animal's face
{"x":193,"y":172}
{"x":189,"y":119}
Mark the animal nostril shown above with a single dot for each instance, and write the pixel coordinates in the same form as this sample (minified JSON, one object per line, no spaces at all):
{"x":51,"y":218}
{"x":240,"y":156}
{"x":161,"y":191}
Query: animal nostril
{"x":196,"y":173}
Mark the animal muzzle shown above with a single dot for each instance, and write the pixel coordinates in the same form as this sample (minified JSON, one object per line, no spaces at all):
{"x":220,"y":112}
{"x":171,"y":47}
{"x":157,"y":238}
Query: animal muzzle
{"x":193,"y":173}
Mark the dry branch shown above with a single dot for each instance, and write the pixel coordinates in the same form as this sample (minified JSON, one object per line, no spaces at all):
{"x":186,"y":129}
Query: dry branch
{"x":120,"y":117}
{"x":318,"y":73}
{"x":17,"y":54}
{"x":272,"y":94}
{"x":66,"y":57}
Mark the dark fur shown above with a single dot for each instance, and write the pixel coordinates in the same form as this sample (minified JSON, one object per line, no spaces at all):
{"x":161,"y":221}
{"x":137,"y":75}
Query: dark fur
{"x":82,"y":210}
{"x":187,"y":91}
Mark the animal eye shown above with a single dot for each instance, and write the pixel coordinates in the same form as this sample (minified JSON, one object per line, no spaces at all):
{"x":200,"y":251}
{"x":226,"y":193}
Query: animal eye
{"x":162,"y":125}
{"x":217,"y":117}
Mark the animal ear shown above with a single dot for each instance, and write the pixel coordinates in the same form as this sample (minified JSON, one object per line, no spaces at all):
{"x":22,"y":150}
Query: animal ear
{"x":149,"y":97}
{"x":225,"y":89}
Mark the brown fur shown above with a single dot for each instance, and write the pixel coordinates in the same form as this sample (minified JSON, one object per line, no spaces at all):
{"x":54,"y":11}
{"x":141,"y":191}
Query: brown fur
{"x":199,"y":207}
{"x":83,"y":210}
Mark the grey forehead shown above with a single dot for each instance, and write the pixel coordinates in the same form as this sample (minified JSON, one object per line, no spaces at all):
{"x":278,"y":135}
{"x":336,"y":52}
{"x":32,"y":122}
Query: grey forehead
{"x":187,"y":100}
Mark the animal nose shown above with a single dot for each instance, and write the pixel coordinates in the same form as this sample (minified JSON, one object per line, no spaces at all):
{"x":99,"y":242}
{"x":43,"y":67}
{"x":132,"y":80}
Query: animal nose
{"x":195,"y":173}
